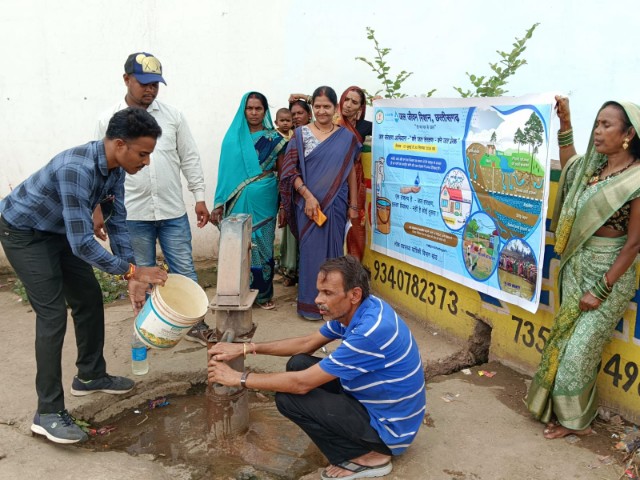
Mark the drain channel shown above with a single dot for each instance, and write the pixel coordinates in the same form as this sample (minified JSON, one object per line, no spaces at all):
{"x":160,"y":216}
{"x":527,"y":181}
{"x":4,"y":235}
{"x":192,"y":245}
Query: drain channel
{"x":475,"y":352}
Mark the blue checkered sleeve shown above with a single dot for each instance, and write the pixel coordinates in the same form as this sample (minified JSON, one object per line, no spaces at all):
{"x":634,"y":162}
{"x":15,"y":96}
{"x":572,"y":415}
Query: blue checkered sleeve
{"x":76,"y":187}
{"x":117,"y":226}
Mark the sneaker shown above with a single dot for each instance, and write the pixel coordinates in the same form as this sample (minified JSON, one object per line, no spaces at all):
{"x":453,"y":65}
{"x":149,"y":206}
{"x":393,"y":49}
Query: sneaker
{"x":58,"y":427}
{"x":199,"y":333}
{"x":106,"y":384}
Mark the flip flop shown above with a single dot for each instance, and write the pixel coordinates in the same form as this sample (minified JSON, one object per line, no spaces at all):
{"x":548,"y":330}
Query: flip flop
{"x":267,"y":305}
{"x":360,"y":471}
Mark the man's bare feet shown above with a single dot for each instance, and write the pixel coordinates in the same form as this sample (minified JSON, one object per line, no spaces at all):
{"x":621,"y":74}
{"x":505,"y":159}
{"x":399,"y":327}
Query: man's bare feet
{"x":371,"y":459}
{"x":552,"y":431}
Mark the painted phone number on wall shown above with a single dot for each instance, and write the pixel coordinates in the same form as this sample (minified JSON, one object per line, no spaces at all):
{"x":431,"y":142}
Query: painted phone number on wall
{"x":415,"y":286}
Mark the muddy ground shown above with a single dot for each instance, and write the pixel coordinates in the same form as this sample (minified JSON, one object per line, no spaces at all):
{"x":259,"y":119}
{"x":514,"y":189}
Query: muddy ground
{"x":477,"y":426}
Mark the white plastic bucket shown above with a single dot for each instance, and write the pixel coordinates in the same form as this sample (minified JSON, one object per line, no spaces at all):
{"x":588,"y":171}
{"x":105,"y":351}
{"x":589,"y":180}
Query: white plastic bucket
{"x":171,"y":311}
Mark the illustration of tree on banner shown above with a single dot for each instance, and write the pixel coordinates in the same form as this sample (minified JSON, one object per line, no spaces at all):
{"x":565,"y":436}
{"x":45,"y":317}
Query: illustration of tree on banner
{"x":533,"y":131}
{"x":519,"y":138}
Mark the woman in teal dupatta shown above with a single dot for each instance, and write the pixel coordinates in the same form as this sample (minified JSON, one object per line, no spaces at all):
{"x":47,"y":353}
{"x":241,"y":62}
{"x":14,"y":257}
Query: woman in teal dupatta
{"x":598,"y":237}
{"x":247,"y":183}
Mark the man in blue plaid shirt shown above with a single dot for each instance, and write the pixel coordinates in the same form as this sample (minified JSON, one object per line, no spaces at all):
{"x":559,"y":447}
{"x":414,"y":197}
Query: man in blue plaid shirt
{"x":46,"y":231}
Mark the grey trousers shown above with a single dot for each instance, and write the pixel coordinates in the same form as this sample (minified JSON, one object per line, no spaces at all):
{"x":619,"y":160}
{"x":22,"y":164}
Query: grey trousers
{"x":54,"y":277}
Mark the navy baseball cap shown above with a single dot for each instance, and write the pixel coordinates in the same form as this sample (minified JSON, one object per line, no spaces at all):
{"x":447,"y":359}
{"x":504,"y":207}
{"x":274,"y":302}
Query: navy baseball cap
{"x":145,"y":67}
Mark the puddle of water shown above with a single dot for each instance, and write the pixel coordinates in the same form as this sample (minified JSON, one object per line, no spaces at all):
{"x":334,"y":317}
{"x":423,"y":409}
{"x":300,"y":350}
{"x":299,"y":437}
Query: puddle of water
{"x":179,"y":434}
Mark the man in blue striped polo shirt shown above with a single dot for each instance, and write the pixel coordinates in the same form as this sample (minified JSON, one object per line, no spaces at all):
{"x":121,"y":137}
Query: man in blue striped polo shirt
{"x":363,"y":403}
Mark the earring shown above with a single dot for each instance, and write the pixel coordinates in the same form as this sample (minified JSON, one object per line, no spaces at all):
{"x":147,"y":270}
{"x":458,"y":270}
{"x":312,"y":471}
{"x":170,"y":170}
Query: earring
{"x":625,"y":144}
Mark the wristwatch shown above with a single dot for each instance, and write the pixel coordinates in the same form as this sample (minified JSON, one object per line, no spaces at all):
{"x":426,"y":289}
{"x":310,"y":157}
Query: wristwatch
{"x":243,"y":378}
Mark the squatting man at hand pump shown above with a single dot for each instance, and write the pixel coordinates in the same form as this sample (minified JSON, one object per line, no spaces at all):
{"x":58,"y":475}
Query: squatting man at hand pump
{"x":364,"y":402}
{"x":46,"y":231}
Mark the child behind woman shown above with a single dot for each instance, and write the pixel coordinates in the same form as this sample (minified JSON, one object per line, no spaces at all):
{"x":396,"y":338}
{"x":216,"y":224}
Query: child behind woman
{"x":284,"y":122}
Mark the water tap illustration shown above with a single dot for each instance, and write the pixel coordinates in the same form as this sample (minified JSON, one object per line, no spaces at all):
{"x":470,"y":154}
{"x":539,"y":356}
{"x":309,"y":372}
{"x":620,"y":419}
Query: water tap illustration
{"x":379,"y":176}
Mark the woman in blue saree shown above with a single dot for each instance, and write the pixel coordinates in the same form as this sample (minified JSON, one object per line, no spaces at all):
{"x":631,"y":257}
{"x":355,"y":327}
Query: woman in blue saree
{"x":317,"y":175}
{"x":247,"y":183}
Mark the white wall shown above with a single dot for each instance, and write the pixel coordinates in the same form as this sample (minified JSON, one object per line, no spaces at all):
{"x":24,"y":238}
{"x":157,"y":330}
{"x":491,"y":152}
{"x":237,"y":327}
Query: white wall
{"x":62,"y":62}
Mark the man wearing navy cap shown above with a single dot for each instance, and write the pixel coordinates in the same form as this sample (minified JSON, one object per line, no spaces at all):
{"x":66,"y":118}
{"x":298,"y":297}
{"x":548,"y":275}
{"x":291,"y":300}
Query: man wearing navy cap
{"x":153,"y":198}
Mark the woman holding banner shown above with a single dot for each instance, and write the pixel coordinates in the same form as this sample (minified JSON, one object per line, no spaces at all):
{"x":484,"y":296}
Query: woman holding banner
{"x":598,"y":237}
{"x":317,"y":180}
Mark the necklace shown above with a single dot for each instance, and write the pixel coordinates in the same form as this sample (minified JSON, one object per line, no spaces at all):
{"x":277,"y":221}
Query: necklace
{"x":323,"y":131}
{"x":598,"y":176}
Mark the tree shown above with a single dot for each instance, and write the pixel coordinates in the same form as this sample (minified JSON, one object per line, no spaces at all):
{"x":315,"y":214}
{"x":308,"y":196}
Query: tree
{"x":473,"y":227}
{"x":484,"y":86}
{"x":494,"y":138}
{"x":391,"y":87}
{"x":518,"y":138}
{"x":493,"y":86}
{"x":533,"y":131}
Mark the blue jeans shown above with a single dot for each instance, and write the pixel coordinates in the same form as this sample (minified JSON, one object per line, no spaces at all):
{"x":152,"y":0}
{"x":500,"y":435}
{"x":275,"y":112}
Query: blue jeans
{"x":174,"y":235}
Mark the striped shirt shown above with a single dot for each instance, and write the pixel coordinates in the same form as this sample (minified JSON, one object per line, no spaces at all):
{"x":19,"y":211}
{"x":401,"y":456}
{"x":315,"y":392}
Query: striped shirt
{"x":379,"y":364}
{"x":60,"y":198}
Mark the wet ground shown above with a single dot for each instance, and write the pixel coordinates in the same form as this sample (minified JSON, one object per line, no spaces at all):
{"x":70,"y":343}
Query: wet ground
{"x":477,"y":427}
{"x":177,"y":431}
{"x":186,"y":431}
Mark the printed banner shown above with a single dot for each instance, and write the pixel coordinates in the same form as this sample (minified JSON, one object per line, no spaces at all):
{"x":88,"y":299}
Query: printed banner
{"x":460,"y":188}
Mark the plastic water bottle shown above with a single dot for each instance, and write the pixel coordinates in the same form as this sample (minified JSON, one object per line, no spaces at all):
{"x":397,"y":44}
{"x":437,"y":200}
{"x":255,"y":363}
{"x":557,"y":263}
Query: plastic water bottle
{"x":139,"y":361}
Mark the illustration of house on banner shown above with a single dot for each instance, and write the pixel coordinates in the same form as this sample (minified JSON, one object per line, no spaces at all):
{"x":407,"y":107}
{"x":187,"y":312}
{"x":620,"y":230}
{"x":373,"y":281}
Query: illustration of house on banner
{"x":452,"y":201}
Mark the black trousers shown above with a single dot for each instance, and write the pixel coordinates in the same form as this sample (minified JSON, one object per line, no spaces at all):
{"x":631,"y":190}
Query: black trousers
{"x":54,"y":277}
{"x":335,"y":421}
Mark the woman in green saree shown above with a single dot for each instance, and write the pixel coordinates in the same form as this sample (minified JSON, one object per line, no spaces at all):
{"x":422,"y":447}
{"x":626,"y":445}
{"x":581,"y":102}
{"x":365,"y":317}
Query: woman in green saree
{"x":598,"y":238}
{"x":247,"y":183}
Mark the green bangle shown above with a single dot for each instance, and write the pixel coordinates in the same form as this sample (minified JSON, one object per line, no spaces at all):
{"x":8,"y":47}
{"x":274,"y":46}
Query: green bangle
{"x":599,"y":290}
{"x":602,"y":283}
{"x":565,"y":139}
{"x":599,"y":297}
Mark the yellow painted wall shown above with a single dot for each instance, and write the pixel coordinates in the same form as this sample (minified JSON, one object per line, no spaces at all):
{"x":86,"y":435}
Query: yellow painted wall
{"x":517,"y":336}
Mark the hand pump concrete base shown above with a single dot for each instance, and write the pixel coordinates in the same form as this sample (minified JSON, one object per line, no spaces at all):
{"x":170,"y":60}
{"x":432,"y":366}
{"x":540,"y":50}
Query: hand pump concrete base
{"x":228,"y":407}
